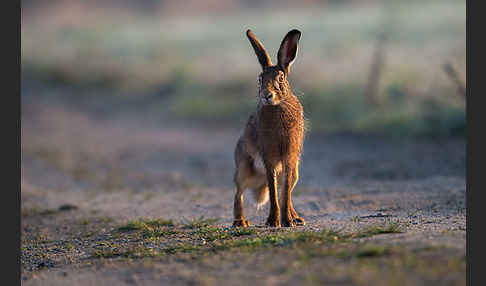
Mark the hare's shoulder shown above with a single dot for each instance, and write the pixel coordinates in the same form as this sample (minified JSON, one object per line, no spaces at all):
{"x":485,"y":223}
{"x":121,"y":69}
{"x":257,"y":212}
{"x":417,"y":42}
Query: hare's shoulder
{"x":247,"y":142}
{"x":252,"y":119}
{"x":251,"y":127}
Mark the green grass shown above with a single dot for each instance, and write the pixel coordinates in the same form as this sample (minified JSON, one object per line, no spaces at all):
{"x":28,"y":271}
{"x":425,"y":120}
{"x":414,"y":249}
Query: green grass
{"x":153,"y":233}
{"x":287,"y":239}
{"x":149,"y":229}
{"x":391,"y":227}
{"x":134,"y":252}
{"x":206,"y":239}
{"x":372,"y":251}
{"x":145,"y":224}
{"x":241,"y":231}
{"x":322,"y":237}
{"x":38,"y":212}
{"x":199,"y":222}
{"x":212,"y":233}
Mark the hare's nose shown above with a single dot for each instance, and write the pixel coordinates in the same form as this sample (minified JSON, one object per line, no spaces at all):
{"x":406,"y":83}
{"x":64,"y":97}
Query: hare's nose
{"x":268,"y":95}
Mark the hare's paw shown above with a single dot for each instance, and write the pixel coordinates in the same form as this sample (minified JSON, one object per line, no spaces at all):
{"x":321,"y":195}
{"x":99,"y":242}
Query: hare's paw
{"x":241,"y":223}
{"x":288,"y":221}
{"x":273,"y":221}
{"x":299,"y":221}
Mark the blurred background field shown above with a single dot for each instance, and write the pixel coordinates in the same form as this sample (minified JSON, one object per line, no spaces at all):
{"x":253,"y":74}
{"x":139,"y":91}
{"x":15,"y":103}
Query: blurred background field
{"x":364,"y":67}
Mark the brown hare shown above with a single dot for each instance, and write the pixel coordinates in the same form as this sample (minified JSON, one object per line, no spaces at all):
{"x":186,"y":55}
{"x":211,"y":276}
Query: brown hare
{"x":268,"y":152}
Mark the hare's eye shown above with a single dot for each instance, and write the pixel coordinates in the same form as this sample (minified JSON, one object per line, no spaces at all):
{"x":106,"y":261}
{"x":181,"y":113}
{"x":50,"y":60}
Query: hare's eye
{"x":281,"y":77}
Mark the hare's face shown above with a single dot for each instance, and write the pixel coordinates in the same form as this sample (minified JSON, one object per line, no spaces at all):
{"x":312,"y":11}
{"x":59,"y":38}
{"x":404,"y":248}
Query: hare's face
{"x":272,"y":86}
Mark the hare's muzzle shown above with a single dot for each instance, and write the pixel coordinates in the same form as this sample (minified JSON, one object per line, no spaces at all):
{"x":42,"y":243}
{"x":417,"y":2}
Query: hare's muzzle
{"x":268,"y":98}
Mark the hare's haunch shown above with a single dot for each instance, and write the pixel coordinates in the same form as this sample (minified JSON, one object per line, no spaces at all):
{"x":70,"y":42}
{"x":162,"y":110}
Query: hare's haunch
{"x":268,"y":152}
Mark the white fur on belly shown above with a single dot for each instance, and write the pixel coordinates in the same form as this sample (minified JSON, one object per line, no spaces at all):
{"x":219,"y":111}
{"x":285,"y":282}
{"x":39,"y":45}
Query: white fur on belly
{"x":260,"y":167}
{"x":258,"y":164}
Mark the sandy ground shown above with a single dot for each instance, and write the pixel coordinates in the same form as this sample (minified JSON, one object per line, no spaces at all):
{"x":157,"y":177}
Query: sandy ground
{"x":115,"y":168}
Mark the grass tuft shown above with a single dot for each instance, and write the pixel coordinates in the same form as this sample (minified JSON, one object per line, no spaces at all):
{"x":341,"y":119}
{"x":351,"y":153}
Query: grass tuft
{"x":372,"y":251}
{"x":200,"y":222}
{"x":144,"y":224}
{"x":392,"y":227}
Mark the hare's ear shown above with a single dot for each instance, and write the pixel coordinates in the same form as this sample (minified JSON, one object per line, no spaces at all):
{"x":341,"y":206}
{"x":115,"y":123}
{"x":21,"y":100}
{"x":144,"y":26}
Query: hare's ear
{"x":288,"y":50}
{"x":260,"y":51}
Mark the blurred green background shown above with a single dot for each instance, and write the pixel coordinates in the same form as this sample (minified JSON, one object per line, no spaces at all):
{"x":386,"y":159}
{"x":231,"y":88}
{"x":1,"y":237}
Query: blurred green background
{"x":388,"y":68}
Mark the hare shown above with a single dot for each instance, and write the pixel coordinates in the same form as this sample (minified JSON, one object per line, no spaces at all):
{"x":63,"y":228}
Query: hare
{"x":268,"y":151}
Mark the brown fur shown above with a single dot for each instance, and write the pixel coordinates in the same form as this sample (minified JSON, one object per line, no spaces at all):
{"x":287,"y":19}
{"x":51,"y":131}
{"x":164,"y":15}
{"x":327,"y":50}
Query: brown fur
{"x":268,"y":152}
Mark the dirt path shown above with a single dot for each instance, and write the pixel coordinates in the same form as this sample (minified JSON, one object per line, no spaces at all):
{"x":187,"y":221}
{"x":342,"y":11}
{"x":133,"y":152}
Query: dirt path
{"x":113,"y":170}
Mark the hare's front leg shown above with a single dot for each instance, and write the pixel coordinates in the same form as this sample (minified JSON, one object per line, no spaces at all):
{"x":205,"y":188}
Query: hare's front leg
{"x":274,"y":216}
{"x":289,"y":215}
{"x":297,"y":219}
